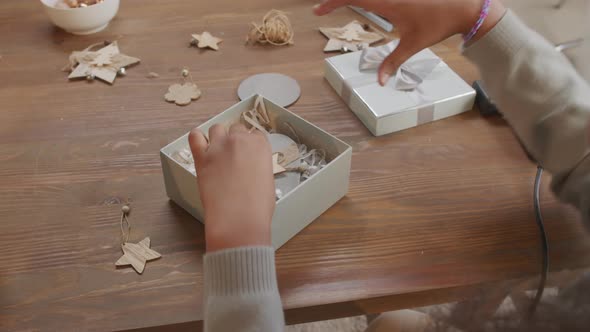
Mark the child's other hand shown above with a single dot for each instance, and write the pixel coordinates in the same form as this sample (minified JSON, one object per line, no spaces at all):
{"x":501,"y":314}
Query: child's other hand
{"x":421,"y":23}
{"x":236,"y":184}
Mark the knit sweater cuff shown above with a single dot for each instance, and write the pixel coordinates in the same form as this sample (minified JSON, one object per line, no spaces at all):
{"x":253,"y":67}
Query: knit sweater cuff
{"x":502,"y":42}
{"x":240,"y":271}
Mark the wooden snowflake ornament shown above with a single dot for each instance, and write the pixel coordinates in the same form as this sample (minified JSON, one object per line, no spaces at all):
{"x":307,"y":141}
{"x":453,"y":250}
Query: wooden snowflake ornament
{"x":206,"y":40}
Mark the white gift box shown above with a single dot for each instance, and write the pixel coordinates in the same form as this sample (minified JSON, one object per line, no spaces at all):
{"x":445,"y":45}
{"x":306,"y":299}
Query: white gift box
{"x":385,"y":110}
{"x":296,"y":209}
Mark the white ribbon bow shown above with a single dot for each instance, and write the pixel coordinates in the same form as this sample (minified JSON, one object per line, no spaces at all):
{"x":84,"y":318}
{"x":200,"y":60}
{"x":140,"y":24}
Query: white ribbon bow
{"x":409,"y":75}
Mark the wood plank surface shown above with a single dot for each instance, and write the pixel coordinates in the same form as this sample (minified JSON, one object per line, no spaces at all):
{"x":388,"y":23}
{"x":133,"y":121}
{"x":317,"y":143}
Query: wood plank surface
{"x":434,"y":211}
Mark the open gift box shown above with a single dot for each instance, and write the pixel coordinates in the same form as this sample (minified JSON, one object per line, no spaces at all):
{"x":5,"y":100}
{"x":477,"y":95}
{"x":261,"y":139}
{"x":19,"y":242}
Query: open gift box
{"x":386,"y":109}
{"x":296,"y":209}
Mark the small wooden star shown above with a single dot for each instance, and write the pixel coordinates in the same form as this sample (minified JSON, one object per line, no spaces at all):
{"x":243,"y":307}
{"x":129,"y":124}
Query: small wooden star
{"x":206,"y":40}
{"x":351,"y":37}
{"x":137,"y":255}
{"x":104,"y":63}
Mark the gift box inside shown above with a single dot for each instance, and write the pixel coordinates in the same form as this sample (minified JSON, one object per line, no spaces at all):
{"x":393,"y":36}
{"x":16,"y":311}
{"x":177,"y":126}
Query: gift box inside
{"x":295,"y":209}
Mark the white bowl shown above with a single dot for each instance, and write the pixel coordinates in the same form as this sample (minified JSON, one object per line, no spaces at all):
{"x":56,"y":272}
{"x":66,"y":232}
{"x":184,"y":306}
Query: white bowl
{"x":85,"y":20}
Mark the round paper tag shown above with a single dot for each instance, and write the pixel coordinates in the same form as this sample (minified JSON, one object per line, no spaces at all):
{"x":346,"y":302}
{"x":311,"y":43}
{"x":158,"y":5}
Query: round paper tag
{"x":278,"y":88}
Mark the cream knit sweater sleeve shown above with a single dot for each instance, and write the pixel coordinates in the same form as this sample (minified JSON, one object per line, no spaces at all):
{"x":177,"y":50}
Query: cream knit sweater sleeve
{"x":543,"y":98}
{"x":241,"y":293}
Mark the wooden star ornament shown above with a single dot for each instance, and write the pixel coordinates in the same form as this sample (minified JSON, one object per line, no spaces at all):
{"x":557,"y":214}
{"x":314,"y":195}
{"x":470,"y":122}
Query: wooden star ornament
{"x":104,"y":64}
{"x":205,"y":40}
{"x":351,"y":37}
{"x":137,"y":254}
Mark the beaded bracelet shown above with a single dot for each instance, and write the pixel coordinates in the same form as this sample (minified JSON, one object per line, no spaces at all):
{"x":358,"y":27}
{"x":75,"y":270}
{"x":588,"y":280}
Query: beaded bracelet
{"x":482,"y":17}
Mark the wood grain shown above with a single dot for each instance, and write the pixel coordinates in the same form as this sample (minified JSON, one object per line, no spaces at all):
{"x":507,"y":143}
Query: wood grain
{"x":432,"y":213}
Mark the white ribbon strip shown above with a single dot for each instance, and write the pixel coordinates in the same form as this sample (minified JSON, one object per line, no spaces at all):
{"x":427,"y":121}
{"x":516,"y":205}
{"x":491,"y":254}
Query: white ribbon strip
{"x":409,"y":75}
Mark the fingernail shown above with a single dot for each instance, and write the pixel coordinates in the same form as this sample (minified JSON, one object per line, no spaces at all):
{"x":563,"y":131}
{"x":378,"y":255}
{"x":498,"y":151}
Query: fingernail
{"x":316,"y":8}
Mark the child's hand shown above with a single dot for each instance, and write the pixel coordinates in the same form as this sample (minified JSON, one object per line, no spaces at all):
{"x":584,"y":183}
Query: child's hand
{"x":421,"y":23}
{"x":236,"y":183}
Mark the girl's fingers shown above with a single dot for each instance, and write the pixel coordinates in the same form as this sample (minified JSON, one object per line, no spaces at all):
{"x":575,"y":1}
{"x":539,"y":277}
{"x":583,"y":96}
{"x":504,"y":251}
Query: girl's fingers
{"x":198,"y":144}
{"x":391,"y":64}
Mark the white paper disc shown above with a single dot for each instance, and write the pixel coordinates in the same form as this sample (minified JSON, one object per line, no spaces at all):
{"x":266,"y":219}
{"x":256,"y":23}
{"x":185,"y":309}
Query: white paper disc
{"x":278,"y":88}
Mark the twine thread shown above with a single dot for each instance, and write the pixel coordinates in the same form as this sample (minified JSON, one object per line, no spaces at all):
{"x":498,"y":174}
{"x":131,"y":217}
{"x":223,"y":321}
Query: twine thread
{"x":275,"y":29}
{"x":125,"y":224}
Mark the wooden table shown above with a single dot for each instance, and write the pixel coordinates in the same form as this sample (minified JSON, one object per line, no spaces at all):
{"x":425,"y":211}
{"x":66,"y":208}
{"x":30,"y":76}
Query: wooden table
{"x":433,"y":213}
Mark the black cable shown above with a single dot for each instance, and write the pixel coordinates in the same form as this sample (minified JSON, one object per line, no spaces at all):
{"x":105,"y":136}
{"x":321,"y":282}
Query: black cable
{"x":544,"y":244}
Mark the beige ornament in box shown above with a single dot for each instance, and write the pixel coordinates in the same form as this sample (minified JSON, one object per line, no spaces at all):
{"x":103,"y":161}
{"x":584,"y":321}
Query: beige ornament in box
{"x":294,"y":210}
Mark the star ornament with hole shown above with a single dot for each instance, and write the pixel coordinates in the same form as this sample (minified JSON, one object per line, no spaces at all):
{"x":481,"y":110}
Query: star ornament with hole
{"x":351,"y":37}
{"x":137,"y":254}
{"x":205,"y":40}
{"x":103,"y":64}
